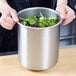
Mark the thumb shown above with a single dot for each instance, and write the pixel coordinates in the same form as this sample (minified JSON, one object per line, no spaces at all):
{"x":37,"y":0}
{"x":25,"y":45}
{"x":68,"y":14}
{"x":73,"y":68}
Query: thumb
{"x":62,"y":11}
{"x":14,"y":15}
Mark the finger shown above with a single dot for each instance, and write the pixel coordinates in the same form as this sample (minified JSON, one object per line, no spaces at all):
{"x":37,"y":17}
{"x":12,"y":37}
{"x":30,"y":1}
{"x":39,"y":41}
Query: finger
{"x":62,"y":11}
{"x":14,"y":15}
{"x":70,"y":13}
{"x":7,"y":23}
{"x":7,"y":19}
{"x":4,"y":25}
{"x":69,"y":17}
{"x":67,"y":21}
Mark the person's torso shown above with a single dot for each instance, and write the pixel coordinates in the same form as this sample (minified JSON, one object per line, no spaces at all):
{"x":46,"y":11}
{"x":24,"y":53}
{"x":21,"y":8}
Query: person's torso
{"x":22,"y":4}
{"x":72,"y":4}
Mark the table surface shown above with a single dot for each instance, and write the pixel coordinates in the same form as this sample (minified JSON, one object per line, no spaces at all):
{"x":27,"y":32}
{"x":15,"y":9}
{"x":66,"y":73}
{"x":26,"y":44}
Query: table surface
{"x":66,"y":65}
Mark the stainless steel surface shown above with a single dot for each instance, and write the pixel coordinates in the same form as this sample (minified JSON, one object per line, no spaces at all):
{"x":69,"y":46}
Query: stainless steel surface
{"x":38,"y":47}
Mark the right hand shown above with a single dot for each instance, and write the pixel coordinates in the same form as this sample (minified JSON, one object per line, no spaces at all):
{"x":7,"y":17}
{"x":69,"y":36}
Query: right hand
{"x":9,"y":18}
{"x":67,"y":14}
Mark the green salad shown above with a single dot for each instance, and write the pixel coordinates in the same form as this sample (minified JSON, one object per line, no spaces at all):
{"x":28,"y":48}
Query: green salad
{"x":39,"y":21}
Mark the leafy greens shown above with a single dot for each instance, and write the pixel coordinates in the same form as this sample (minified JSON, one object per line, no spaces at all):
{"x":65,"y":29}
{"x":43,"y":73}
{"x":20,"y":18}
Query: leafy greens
{"x":39,"y":21}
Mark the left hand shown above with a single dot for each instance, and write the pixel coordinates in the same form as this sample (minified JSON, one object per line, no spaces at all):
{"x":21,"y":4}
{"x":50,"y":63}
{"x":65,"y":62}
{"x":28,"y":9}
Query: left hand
{"x":66,"y":13}
{"x":9,"y":18}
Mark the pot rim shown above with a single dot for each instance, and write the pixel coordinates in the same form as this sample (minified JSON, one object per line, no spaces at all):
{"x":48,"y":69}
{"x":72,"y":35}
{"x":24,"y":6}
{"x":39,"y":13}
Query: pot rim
{"x":40,"y":27}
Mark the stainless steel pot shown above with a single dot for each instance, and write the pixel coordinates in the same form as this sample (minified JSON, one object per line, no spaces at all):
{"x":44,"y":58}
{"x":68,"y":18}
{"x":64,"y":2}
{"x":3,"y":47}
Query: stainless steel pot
{"x":38,"y":47}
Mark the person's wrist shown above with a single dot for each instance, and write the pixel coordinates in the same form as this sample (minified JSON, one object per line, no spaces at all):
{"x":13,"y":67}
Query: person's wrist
{"x":62,"y":2}
{"x":4,"y":8}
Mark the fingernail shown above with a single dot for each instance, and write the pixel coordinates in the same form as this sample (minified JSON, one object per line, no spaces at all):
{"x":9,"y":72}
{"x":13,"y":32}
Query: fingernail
{"x":16,"y":20}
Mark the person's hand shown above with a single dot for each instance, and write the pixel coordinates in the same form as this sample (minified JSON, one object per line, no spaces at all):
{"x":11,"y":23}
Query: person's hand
{"x":66,"y":13}
{"x":9,"y":18}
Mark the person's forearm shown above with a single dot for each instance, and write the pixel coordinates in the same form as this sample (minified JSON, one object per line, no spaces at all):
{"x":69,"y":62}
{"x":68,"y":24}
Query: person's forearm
{"x":60,"y":2}
{"x":3,"y":5}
